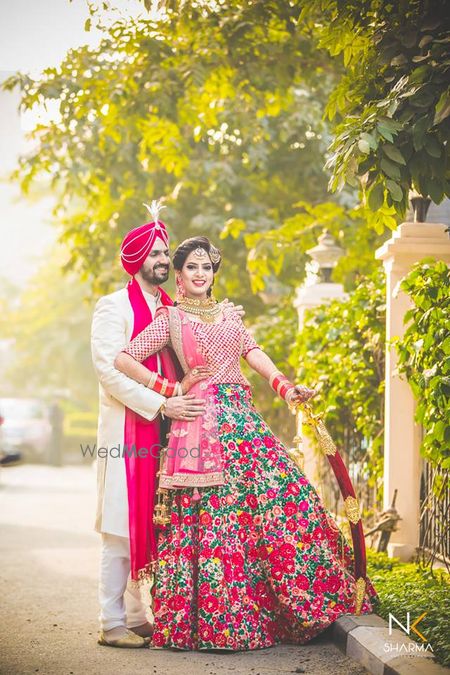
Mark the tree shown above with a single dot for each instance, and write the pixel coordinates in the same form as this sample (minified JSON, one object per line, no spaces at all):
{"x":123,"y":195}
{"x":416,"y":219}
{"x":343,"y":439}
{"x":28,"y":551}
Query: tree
{"x":393,"y":102}
{"x":48,"y":327}
{"x":391,"y":106}
{"x":183,"y":110}
{"x":284,"y":248}
{"x":218,"y":107}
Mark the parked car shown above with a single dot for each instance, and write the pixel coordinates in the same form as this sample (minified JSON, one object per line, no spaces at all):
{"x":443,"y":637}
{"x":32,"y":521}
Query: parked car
{"x":7,"y":455}
{"x":26,"y":428}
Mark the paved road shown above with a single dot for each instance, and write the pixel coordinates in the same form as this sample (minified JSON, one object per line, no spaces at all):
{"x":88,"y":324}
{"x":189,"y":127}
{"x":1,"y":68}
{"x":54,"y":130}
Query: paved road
{"x":48,"y":571}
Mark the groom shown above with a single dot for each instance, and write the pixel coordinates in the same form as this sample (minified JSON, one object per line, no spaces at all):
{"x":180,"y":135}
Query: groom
{"x":129,"y":412}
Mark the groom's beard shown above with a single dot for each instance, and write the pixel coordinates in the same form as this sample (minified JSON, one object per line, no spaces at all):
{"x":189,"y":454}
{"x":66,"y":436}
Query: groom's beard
{"x":158,"y":275}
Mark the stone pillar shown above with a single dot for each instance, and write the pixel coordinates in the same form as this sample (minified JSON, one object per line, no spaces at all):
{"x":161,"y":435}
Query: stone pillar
{"x":410,"y":243}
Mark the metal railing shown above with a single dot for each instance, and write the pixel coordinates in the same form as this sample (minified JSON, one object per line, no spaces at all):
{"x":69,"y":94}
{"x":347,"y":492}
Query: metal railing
{"x":434,"y":537}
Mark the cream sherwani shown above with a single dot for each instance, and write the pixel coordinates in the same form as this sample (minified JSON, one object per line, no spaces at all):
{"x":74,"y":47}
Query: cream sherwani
{"x":112,"y":327}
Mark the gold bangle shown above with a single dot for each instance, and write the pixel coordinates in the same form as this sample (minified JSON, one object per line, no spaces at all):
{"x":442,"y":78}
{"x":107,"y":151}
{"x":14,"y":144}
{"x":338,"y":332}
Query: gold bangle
{"x":151,"y":383}
{"x":164,"y":386}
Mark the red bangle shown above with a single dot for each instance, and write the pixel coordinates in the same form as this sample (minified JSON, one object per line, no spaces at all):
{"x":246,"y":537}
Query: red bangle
{"x":164,"y":387}
{"x":280,"y":384}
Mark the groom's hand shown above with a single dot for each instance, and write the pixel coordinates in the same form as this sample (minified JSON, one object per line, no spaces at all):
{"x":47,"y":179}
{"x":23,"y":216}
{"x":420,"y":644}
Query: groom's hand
{"x":228,"y":308}
{"x":185,"y":407}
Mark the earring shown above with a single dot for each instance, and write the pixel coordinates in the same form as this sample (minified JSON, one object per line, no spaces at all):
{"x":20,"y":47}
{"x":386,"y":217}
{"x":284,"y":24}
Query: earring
{"x":180,"y":289}
{"x":210,"y":293}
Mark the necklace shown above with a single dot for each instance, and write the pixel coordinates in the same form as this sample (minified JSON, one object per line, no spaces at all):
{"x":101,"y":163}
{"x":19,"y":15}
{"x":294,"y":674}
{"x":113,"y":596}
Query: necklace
{"x":208,"y":310}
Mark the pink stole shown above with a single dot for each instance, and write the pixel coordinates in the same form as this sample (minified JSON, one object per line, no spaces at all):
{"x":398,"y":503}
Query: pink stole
{"x":144,"y":436}
{"x":194,"y":453}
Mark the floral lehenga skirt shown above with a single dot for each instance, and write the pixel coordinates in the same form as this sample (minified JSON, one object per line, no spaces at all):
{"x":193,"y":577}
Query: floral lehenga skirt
{"x":256,"y":561}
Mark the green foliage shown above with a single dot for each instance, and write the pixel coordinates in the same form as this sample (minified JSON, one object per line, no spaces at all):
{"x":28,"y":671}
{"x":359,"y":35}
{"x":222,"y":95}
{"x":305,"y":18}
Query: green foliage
{"x":424,"y":355}
{"x":192,"y":108}
{"x":341,"y":351}
{"x":276,"y":332}
{"x":49,"y":328}
{"x":393,"y":100}
{"x":391,"y":104}
{"x":405,"y":587}
{"x":219,"y":107}
{"x":284,"y":248}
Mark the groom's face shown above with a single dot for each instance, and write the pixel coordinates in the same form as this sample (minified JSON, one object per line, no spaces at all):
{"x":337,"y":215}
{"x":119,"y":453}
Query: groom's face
{"x":155,"y":269}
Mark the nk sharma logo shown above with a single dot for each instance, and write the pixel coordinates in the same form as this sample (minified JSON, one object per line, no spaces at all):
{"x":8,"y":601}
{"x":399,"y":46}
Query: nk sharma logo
{"x":410,"y":648}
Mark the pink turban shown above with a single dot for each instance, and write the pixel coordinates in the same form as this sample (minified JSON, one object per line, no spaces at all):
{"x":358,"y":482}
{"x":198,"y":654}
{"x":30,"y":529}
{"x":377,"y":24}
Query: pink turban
{"x":138,"y":243}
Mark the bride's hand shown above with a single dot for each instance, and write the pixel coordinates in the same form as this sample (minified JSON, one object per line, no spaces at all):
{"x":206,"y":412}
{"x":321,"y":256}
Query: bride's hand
{"x":300,"y":394}
{"x":193,"y":376}
{"x":229,"y":308}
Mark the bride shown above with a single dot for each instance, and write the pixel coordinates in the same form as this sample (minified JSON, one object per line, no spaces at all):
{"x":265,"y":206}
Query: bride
{"x":250,"y":557}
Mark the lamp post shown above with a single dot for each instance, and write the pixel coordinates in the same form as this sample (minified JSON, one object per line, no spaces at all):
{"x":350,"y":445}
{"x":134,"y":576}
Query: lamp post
{"x":325,"y":256}
{"x":419,"y":205}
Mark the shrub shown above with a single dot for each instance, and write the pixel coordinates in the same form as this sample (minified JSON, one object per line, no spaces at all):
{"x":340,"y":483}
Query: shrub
{"x":405,"y":587}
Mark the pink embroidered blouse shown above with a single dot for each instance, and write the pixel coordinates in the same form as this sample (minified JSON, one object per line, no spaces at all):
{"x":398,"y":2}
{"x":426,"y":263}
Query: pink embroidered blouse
{"x":221,"y":344}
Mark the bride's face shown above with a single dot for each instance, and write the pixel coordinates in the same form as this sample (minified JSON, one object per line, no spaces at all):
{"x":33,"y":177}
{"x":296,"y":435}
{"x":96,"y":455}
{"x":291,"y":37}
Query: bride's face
{"x":197,"y":275}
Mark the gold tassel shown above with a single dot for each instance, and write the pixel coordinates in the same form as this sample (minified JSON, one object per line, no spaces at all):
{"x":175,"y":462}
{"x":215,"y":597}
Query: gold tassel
{"x":360,"y":592}
{"x":161,"y":515}
{"x":296,"y":453}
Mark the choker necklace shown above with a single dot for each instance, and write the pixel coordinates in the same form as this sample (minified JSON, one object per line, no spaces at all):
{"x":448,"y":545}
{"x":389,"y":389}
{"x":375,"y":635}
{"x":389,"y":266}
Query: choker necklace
{"x":208,"y":310}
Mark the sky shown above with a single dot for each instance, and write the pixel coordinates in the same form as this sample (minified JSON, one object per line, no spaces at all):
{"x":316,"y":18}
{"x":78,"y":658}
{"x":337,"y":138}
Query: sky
{"x":34,"y":34}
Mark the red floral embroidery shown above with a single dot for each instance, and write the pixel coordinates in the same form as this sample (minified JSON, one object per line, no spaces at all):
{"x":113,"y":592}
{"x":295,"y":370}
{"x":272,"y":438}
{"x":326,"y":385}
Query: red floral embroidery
{"x":254,"y":550}
{"x":290,"y":508}
{"x":214,"y":501}
{"x":252,"y":501}
{"x":205,"y":518}
{"x":244,"y":518}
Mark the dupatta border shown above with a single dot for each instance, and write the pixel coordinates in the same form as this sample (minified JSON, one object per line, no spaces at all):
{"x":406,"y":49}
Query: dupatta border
{"x":180,"y":480}
{"x":176,"y":336}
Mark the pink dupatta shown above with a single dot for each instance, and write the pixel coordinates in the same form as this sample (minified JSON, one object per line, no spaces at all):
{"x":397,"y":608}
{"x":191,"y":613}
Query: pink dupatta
{"x":194,"y":453}
{"x":143,"y":435}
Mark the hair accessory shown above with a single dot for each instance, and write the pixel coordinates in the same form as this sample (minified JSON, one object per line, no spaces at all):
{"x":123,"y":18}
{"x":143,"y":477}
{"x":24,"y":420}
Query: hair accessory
{"x":213,"y":253}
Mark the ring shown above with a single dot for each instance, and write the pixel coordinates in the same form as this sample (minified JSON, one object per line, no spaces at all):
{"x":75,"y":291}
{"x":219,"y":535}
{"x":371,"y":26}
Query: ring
{"x":194,"y":371}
